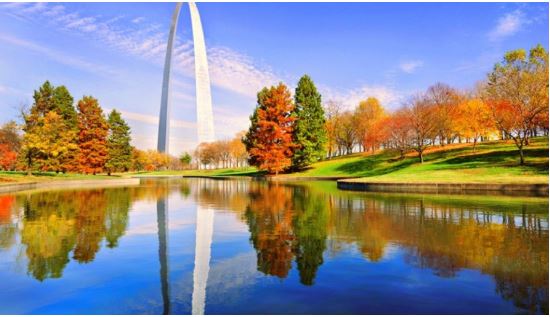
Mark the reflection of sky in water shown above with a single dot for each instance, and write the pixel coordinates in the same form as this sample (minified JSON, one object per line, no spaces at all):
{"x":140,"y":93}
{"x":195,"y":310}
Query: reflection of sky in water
{"x":361,"y":253}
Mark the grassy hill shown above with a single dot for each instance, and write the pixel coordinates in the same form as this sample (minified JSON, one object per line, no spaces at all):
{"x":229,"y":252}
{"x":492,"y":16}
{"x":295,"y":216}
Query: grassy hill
{"x":492,"y":162}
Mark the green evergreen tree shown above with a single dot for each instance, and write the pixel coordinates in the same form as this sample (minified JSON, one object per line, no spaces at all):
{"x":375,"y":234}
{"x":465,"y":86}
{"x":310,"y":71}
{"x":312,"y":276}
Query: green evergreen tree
{"x":43,"y":100}
{"x":309,"y":128}
{"x":63,"y":104}
{"x":249,"y":139}
{"x":118,"y":144}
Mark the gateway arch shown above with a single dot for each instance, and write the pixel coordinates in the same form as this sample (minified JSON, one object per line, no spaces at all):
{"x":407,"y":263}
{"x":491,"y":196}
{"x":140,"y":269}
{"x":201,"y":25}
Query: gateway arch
{"x":205,"y":122}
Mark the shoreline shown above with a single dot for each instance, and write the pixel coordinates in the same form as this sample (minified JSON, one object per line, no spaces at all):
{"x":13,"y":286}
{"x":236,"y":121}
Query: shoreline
{"x":70,"y":183}
{"x":535,"y":190}
{"x":350,"y":184}
{"x":342,"y":183}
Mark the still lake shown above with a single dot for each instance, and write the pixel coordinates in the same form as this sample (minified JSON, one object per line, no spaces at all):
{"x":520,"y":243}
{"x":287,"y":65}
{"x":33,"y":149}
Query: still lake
{"x":248,"y":247}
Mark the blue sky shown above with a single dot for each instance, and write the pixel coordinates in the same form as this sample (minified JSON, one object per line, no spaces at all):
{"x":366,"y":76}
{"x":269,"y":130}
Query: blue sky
{"x":115,"y":51}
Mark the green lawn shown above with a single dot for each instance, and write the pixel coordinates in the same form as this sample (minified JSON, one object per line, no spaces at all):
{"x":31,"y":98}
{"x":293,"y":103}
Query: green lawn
{"x":493,"y":162}
{"x":245,"y":171}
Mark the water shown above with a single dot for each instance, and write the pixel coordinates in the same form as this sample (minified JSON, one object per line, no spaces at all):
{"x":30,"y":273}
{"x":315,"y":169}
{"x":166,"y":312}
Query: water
{"x":240,"y":247}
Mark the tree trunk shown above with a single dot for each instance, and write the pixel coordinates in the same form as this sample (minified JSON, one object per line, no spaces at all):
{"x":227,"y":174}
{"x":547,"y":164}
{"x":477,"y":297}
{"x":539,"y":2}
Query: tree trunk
{"x":521,"y":157}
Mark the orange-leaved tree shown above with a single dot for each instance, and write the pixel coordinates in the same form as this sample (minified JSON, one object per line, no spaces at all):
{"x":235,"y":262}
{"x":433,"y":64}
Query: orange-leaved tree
{"x":92,"y":136}
{"x":8,"y":158}
{"x":474,"y":119}
{"x":517,"y":92}
{"x":367,"y":113}
{"x":269,"y":138}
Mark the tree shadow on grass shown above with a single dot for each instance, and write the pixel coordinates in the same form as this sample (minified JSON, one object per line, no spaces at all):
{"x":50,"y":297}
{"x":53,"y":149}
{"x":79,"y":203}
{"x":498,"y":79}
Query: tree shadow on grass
{"x":242,"y":173}
{"x":494,"y":159}
{"x":373,"y":165}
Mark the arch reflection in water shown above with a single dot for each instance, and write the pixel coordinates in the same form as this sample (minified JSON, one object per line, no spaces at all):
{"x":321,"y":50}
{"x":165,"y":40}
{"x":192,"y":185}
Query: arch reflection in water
{"x":203,"y":242}
{"x":162,"y":223}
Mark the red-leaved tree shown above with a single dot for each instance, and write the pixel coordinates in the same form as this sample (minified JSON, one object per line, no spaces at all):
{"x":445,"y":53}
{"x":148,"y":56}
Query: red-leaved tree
{"x":269,"y":139}
{"x":92,"y":136}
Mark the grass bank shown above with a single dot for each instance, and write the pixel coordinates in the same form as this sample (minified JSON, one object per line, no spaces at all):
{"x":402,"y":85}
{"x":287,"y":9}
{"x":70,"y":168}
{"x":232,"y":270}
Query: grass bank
{"x":492,"y":162}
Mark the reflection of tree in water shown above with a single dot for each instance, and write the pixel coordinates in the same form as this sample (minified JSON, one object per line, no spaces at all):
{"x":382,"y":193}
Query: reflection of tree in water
{"x":7,"y":228}
{"x":310,"y":226}
{"x":116,"y":215}
{"x":90,"y":224}
{"x":285,"y":223}
{"x":289,"y":222}
{"x":447,"y":239}
{"x":269,"y":216}
{"x":56,"y":223}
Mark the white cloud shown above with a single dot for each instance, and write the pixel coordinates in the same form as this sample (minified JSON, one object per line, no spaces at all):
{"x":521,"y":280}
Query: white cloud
{"x":508,"y":25}
{"x":228,"y":122}
{"x":388,"y":97}
{"x":153,"y":120}
{"x":410,"y":67}
{"x":229,"y":69}
{"x":58,"y":56}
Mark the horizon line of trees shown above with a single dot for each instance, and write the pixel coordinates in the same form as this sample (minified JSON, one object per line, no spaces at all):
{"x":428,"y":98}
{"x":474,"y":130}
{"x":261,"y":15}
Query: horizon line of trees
{"x":221,"y":154}
{"x":288,"y":134}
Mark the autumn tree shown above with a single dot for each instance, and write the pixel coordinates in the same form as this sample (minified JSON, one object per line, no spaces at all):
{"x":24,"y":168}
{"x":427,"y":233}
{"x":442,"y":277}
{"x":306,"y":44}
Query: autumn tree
{"x":238,"y":149}
{"x":269,"y":139}
{"x":332,"y":113}
{"x":54,"y":143}
{"x":399,"y":131}
{"x":444,"y":102}
{"x":92,"y":136}
{"x":420,"y":115}
{"x":205,"y":154}
{"x":157,"y":161}
{"x":139,"y":160}
{"x":118,"y":144}
{"x":49,"y":99}
{"x":223,"y":152}
{"x":517,"y":92}
{"x":309,"y":132}
{"x":474,"y":119}
{"x":346,"y":132}
{"x":367,"y":113}
{"x":10,"y":144}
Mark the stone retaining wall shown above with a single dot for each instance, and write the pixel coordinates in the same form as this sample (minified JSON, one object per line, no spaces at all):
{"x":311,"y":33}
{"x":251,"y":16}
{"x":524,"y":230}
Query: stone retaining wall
{"x":15,"y":187}
{"x":445,"y":188}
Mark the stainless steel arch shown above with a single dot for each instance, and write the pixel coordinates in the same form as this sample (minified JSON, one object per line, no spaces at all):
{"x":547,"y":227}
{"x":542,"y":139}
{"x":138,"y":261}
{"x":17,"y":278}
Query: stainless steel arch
{"x":205,"y":123}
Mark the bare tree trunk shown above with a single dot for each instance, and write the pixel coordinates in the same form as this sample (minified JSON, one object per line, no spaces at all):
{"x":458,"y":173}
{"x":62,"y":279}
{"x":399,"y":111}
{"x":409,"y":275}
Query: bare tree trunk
{"x":521,"y":157}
